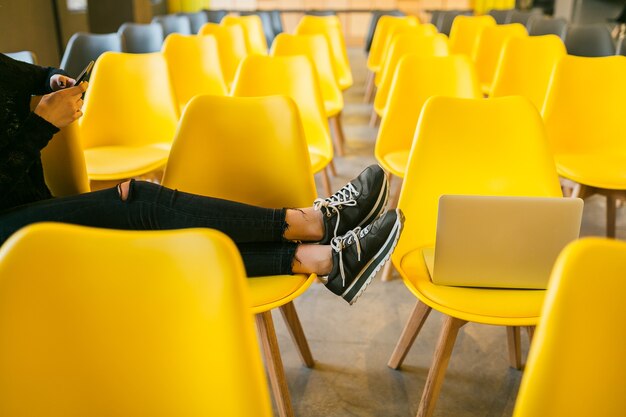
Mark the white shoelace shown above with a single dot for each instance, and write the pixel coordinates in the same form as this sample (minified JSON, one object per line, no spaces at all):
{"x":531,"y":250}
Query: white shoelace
{"x":346,"y":196}
{"x":340,"y":242}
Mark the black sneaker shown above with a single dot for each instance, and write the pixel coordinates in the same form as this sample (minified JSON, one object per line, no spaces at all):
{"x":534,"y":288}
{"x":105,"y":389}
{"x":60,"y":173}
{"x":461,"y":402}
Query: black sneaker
{"x":357,"y":203}
{"x":360,"y":253}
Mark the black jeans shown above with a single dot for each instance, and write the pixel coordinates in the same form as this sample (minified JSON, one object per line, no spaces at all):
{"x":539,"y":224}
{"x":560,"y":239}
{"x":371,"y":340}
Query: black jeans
{"x":258,"y":232}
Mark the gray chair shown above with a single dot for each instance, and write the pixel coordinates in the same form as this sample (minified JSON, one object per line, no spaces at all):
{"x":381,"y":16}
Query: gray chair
{"x":621,"y":47}
{"x":435,"y":18}
{"x":589,"y":40}
{"x":215,"y":16}
{"x":277,"y":22}
{"x":24,"y":56}
{"x":321,"y":12}
{"x":196,"y":20}
{"x":502,"y":17}
{"x":140,"y":38}
{"x":84,"y":47}
{"x":522,"y":16}
{"x":447,"y":18}
{"x":376,"y":15}
{"x":172,"y":23}
{"x":544,"y":25}
{"x":266,"y":21}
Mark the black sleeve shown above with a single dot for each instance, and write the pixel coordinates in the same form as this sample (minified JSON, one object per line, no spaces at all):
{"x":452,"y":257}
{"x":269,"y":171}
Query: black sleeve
{"x":19,"y":151}
{"x":36,"y":79}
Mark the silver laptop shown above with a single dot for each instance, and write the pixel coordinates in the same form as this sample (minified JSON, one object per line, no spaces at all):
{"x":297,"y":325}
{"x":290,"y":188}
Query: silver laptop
{"x":501,"y":242}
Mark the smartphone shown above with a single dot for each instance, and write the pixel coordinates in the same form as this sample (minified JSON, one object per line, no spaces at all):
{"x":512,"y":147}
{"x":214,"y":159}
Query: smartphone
{"x":84,"y":75}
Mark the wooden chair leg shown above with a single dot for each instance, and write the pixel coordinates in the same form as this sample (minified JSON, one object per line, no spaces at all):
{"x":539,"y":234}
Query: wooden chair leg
{"x":374,"y":119}
{"x":387,"y":272}
{"x":333,"y":170}
{"x":395,"y":193}
{"x":337,"y":133}
{"x":531,"y":333}
{"x":611,"y":212}
{"x":515,"y":347}
{"x":297,"y":334}
{"x":411,"y":330}
{"x":274,"y":363}
{"x":437,"y":371}
{"x":326,"y":182}
{"x":369,"y":87}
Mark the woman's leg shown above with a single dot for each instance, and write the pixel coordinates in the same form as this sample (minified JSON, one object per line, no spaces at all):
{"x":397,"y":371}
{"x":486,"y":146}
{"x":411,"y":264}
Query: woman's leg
{"x":138,"y":205}
{"x":285,"y":258}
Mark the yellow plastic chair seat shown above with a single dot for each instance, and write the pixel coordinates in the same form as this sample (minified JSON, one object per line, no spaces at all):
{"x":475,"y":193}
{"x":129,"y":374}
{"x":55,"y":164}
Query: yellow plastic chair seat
{"x":479,"y":305}
{"x":597,"y":170}
{"x":107,"y":163}
{"x":318,"y":160}
{"x":269,"y":292}
{"x":396,"y":162}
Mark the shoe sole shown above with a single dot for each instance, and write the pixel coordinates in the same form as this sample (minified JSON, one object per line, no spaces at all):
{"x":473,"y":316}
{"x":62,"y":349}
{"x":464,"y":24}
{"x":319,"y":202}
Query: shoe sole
{"x":379,"y":207}
{"x":363,"y":279}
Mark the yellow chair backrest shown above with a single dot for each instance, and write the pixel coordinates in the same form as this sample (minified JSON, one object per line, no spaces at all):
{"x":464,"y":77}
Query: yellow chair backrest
{"x":253,"y":30}
{"x":394,"y":34}
{"x":407,"y":43}
{"x":231,"y":43}
{"x":379,"y":40}
{"x":292,"y":76}
{"x":194,"y":66}
{"x":489,"y":48}
{"x":568,"y":375}
{"x":63,"y":162}
{"x":250,"y":150}
{"x":316,"y":48}
{"x":126,"y":323}
{"x":526,"y":67}
{"x":474,"y":147}
{"x":416,"y":80}
{"x":130,"y":102}
{"x":465,"y":32}
{"x":330,"y":26}
{"x":584,"y":110}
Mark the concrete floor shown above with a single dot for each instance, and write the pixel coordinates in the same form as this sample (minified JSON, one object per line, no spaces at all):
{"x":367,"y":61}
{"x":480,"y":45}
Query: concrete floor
{"x":352,"y":344}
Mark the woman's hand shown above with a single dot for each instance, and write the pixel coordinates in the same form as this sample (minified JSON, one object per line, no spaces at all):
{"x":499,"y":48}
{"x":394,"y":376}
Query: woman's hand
{"x":59,"y":82}
{"x":62,"y":107}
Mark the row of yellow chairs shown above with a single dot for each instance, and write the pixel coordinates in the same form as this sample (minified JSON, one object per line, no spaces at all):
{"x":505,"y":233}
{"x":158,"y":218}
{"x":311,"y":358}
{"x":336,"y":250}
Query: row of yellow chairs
{"x":130,"y":344}
{"x":196,"y":65}
{"x":524,"y":66}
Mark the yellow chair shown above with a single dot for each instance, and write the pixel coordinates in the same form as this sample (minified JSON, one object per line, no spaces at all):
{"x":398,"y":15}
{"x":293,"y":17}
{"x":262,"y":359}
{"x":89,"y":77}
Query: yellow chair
{"x":416,"y":80}
{"x":380,"y":42}
{"x":262,"y":161}
{"x":293,"y":76}
{"x":330,"y":26}
{"x":526,"y":66}
{"x":394,"y":33}
{"x":126,"y":323}
{"x":568,"y":375}
{"x":489,"y":48}
{"x":253,"y":30}
{"x":465,"y":32}
{"x":130,"y":116}
{"x":316,"y":48}
{"x":63,"y":162}
{"x":231,"y":44}
{"x":194,"y":66}
{"x":414,"y":43}
{"x":456,"y":152}
{"x":585,"y":122}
